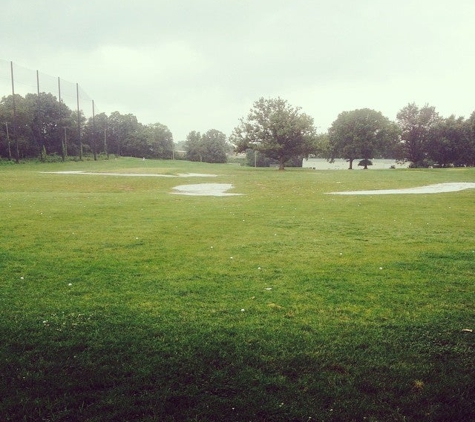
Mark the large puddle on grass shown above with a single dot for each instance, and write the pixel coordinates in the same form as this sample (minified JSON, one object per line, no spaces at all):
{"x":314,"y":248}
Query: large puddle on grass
{"x":201,"y":189}
{"x":205,"y":189}
{"x":437,"y":188}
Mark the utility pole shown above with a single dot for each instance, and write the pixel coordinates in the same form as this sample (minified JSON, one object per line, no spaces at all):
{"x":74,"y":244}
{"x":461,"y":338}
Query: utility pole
{"x":79,"y":123}
{"x":105,"y":143}
{"x":17,"y":157}
{"x":63,"y":141}
{"x":94,"y":132}
{"x":40,"y":132}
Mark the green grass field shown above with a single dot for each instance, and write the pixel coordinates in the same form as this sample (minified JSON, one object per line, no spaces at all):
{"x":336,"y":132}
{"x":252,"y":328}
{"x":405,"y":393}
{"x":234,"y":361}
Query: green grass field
{"x":122,"y":302}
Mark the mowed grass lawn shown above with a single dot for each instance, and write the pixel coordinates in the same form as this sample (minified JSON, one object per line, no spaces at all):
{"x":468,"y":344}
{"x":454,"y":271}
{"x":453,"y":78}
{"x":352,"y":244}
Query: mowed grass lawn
{"x":120,"y":301}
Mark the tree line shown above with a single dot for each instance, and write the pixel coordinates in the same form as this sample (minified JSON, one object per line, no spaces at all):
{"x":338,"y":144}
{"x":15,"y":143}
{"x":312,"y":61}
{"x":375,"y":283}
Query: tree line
{"x":274,"y":132}
{"x":38,"y":125}
{"x":420,"y":136}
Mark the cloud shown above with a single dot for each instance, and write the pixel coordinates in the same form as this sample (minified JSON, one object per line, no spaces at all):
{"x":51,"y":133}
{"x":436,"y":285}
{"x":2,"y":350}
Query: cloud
{"x":200,"y":64}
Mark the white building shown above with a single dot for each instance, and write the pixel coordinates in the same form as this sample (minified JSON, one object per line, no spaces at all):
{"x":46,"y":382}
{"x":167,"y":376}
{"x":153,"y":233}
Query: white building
{"x":322,"y":164}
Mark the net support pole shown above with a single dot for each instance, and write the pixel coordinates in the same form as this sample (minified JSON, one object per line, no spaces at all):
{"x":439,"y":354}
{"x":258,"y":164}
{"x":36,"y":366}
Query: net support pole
{"x":94,"y":132}
{"x":14,"y":131}
{"x":79,"y":123}
{"x":64,"y":151}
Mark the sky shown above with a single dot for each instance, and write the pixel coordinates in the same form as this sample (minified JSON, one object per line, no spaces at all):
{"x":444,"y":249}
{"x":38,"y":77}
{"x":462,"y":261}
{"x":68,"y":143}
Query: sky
{"x":201,"y":64}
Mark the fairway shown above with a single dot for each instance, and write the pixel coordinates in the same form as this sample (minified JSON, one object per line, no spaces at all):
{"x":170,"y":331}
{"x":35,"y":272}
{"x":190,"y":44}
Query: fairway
{"x":122,"y":300}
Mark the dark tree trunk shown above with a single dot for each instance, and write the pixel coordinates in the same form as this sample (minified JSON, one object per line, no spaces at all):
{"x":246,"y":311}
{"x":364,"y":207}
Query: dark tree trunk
{"x":281,"y":164}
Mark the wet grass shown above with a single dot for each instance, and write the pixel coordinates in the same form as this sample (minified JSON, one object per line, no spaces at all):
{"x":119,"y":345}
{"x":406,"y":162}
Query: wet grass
{"x":121,"y":302}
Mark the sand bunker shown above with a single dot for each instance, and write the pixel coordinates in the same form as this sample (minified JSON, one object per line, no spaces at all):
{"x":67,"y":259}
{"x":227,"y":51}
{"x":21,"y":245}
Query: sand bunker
{"x":205,"y":189}
{"x":133,"y":174}
{"x":438,"y":188}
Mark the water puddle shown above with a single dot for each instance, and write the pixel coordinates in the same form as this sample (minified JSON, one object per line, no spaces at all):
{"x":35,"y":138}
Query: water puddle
{"x":437,"y":188}
{"x":205,"y":189}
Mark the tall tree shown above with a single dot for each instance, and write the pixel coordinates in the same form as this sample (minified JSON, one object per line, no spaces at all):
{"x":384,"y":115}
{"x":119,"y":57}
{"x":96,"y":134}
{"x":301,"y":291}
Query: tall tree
{"x":19,"y":126}
{"x":135,"y":144}
{"x":91,"y":134}
{"x":362,"y":133}
{"x":97,"y":132}
{"x":469,"y":154}
{"x":76,"y":134}
{"x":416,"y":124}
{"x":447,"y":141}
{"x":214,"y":146}
{"x":123,"y":127}
{"x":48,"y":116}
{"x":276,"y":129}
{"x":322,"y":146}
{"x":159,"y":140}
{"x":194,"y":146}
{"x":43,"y":125}
{"x":211,"y":147}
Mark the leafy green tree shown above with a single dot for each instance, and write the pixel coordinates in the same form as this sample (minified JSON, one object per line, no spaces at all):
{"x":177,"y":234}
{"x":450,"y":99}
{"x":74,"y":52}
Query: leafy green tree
{"x":214,"y":146}
{"x":68,"y":125}
{"x":365,"y":163}
{"x":447,"y":141}
{"x":123,"y":129}
{"x":101,"y":127}
{"x":159,"y":140}
{"x":255,"y":158}
{"x":211,"y":147}
{"x":76,"y":134}
{"x":276,"y":129}
{"x":42,"y":125}
{"x":48,"y":117}
{"x":360,"y":133}
{"x":5,"y":139}
{"x":125,"y":135}
{"x":322,"y":146}
{"x":416,"y":124}
{"x":19,"y":127}
{"x":194,"y":147}
{"x":469,"y":152}
{"x":136,"y":142}
{"x":95,"y":134}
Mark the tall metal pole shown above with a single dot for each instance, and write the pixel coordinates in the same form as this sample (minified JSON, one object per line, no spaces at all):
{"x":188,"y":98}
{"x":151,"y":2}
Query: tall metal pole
{"x":64,"y":152}
{"x":39,"y":118}
{"x":65,"y":142}
{"x":17,"y":156}
{"x":94,"y":132}
{"x":79,"y":123}
{"x":105,"y":143}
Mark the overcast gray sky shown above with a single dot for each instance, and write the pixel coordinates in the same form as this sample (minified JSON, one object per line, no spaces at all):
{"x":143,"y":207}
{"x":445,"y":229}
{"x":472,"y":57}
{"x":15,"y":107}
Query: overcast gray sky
{"x":200,"y":64}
